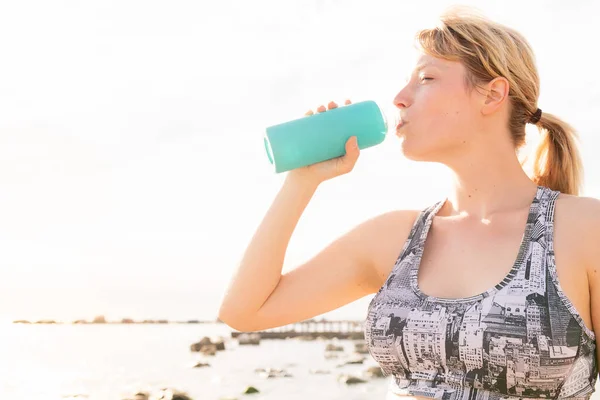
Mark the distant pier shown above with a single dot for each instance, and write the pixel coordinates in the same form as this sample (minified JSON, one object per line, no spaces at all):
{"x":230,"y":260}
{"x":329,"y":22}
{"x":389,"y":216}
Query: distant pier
{"x":314,"y":329}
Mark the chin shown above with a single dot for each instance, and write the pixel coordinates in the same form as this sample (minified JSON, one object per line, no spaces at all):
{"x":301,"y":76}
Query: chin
{"x":426,"y":148}
{"x":412,"y":152}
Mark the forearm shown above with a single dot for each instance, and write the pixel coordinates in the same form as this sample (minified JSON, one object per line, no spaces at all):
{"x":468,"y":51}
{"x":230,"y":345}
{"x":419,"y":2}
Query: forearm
{"x":260,"y":268}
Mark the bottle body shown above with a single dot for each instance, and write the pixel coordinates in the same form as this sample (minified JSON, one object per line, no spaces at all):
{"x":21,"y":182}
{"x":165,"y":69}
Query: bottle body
{"x":322,"y":136}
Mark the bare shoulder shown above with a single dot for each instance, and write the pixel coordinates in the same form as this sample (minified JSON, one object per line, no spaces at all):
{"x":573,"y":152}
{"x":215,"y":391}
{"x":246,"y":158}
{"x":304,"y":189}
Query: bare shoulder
{"x":580,"y":212}
{"x":395,"y":219}
{"x":579,"y":218}
{"x":384,"y":236}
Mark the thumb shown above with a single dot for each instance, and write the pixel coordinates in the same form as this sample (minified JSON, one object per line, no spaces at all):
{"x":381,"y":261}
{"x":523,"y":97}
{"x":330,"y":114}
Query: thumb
{"x":352,"y":149}
{"x":352,"y":144}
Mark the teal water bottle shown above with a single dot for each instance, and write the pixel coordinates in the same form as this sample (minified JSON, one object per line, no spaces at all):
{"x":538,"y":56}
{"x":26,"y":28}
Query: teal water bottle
{"x":322,"y":136}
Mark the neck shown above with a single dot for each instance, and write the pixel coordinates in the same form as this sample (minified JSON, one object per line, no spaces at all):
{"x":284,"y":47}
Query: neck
{"x":488,"y":182}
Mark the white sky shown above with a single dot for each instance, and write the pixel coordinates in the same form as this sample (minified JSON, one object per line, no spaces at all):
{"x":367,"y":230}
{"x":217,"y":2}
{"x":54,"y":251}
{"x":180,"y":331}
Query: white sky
{"x":132,"y":168}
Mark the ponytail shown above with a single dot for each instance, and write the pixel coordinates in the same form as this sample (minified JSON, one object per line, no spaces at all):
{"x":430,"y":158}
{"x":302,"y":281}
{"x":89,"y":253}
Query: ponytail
{"x":557,"y":163}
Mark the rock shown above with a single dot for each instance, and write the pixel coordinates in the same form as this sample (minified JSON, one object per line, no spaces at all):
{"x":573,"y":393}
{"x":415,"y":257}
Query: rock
{"x":333,"y":347}
{"x":201,"y":365}
{"x":306,"y":338}
{"x":219,"y":343}
{"x":350,"y":380}
{"x":171,"y":394}
{"x":209,"y":350}
{"x":319,"y":371}
{"x":355,"y":360}
{"x":251,"y":390}
{"x":331,"y":356}
{"x":361,"y":348}
{"x":374,"y":372}
{"x":137,"y":396}
{"x":249,"y":339}
{"x":208,"y":346}
{"x":181,"y":396}
{"x":273,"y":373}
{"x":356,"y":336}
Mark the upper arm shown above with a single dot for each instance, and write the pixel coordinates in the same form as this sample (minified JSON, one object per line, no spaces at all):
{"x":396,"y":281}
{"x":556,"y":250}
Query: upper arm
{"x":342,"y":272}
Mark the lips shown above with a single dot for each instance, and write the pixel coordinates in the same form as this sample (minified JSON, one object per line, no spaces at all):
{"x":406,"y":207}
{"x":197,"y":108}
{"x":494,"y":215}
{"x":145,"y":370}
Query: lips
{"x":401,"y":123}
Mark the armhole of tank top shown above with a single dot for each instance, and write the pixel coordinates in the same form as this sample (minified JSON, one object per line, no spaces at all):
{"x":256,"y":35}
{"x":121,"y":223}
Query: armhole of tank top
{"x":418,"y":222}
{"x":411,"y":236}
{"x":551,"y":262}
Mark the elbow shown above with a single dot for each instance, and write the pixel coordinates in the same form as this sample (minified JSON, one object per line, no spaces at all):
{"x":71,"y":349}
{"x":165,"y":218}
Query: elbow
{"x":236,"y":320}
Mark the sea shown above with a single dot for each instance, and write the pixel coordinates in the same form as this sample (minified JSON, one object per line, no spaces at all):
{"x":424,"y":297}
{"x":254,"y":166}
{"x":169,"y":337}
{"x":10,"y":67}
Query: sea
{"x":114,"y":361}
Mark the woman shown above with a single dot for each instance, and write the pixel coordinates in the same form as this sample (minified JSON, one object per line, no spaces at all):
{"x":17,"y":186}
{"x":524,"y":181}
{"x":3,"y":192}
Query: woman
{"x":492,"y":292}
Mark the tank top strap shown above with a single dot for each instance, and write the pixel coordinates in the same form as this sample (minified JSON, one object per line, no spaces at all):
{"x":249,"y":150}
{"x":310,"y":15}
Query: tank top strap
{"x":538,"y":229}
{"x":548,"y":206}
{"x":549,"y":212}
{"x":542,"y":219}
{"x":538,"y":216}
{"x":419,"y":230}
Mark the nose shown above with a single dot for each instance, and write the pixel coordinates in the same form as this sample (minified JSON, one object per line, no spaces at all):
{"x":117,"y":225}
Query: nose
{"x":403,"y":98}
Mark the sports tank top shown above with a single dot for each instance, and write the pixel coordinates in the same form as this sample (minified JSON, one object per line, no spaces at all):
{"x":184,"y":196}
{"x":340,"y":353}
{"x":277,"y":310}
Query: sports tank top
{"x":521,"y":339}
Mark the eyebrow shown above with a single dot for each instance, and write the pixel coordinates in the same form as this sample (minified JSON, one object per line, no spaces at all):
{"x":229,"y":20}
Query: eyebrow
{"x":419,"y":67}
{"x":424,"y":65}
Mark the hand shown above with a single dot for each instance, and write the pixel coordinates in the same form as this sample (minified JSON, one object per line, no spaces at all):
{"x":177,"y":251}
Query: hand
{"x":325,"y":170}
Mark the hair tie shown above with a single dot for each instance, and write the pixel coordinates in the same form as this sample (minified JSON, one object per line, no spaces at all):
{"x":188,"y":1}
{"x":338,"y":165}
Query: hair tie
{"x":535,"y":118}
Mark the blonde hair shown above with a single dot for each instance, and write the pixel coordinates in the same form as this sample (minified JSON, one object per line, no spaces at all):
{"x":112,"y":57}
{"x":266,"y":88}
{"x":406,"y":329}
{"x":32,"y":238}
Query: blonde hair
{"x":489,"y":50}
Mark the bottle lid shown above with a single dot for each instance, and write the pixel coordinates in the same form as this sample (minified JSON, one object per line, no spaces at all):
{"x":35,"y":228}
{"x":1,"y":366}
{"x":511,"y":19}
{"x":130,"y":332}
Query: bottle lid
{"x":390,"y":116}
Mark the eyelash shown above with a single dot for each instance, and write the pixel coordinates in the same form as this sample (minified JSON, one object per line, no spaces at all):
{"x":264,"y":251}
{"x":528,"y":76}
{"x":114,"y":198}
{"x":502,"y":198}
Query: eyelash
{"x":425,"y":78}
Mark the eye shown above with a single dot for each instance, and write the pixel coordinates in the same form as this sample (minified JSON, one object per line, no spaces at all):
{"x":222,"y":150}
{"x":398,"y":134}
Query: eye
{"x":426,"y":78}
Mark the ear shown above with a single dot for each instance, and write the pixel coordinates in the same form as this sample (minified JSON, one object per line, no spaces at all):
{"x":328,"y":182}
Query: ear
{"x":496,"y":95}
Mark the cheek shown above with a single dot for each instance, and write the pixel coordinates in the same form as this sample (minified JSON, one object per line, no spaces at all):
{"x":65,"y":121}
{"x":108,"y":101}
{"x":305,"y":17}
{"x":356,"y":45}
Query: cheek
{"x":441,"y":111}
{"x":438,"y":123}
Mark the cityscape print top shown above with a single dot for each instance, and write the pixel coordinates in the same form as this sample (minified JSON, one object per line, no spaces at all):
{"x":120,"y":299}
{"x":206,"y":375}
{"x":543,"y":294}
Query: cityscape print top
{"x":521,"y":339}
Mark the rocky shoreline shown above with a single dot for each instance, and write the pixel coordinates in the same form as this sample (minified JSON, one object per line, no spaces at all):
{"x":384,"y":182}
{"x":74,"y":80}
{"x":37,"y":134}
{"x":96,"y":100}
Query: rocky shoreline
{"x":345,"y":362}
{"x":211,"y":346}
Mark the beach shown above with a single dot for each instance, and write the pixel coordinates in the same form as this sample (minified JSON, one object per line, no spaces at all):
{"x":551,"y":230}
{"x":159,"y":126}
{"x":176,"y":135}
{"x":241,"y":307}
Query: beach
{"x":113,"y":361}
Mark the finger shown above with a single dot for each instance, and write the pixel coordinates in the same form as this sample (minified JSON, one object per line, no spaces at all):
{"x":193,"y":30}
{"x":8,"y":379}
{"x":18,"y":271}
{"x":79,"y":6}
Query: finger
{"x":321,"y":108}
{"x":332,"y":105}
{"x":309,"y":112}
{"x":347,"y":102}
